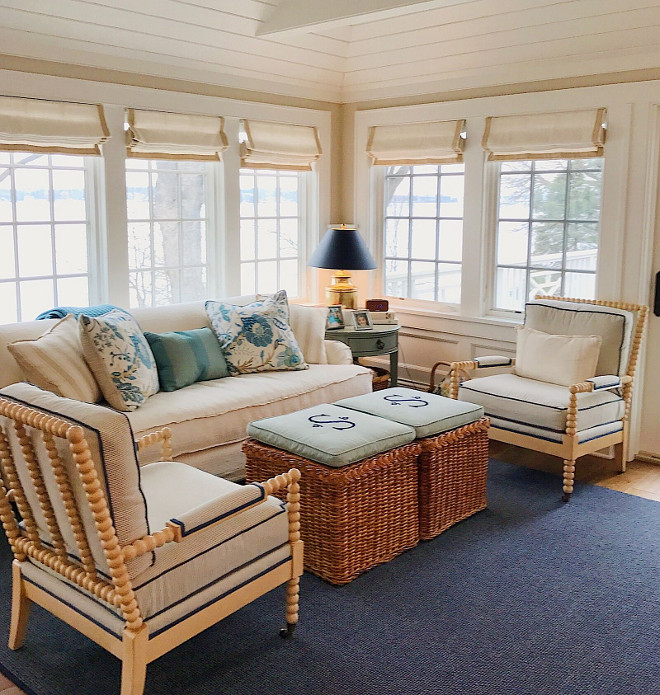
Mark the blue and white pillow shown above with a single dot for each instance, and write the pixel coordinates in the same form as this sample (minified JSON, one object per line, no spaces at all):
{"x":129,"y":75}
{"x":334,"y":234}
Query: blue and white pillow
{"x":120,"y":358}
{"x":256,"y":337}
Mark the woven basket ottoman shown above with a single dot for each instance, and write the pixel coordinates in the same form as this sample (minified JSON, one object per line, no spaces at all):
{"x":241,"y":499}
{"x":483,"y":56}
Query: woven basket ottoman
{"x":358,"y":488}
{"x":453,"y":461}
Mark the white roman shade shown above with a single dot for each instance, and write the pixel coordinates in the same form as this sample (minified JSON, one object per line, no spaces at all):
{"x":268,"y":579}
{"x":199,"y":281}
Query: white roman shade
{"x":436,"y":142}
{"x":279,"y":146}
{"x":161,"y":135}
{"x":35,"y":125}
{"x":565,"y":135}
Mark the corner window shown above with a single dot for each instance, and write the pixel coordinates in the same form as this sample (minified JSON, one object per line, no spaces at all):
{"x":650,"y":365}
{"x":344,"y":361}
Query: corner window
{"x":547,"y":230}
{"x":44,"y":233}
{"x":168,"y":218}
{"x":423,"y":229}
{"x":271,"y":210}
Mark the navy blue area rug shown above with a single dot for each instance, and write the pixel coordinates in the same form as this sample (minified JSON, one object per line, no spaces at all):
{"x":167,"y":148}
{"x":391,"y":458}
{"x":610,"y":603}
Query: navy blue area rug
{"x":529,"y":597}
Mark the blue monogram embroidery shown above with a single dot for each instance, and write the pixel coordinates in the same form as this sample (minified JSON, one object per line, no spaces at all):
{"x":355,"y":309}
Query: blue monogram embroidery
{"x":343,"y":421}
{"x":411,"y":402}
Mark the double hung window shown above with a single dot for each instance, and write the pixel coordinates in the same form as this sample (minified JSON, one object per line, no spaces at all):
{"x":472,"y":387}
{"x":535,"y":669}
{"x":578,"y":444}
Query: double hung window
{"x":44,"y":233}
{"x":271,"y":209}
{"x":547,"y":229}
{"x":423,"y":229}
{"x":168,"y":219}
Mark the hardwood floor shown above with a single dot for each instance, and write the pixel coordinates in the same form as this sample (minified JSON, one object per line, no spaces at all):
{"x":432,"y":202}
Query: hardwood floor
{"x":641,"y":479}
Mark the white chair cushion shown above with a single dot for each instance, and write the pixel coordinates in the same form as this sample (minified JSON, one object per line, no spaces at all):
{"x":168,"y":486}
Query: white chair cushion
{"x":615,"y":326}
{"x":559,"y":359}
{"x":547,"y":435}
{"x":210,"y":555}
{"x":539,"y":404}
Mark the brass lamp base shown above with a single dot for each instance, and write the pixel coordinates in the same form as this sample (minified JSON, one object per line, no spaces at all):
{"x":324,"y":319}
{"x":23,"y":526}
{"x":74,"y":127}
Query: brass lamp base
{"x":342,"y":291}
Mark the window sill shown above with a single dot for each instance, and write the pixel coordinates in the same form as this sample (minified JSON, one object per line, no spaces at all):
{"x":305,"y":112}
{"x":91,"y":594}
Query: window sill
{"x":402,"y":309}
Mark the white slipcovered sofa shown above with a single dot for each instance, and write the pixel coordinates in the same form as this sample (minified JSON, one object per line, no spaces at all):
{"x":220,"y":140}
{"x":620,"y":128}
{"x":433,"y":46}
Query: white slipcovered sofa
{"x":208,"y":418}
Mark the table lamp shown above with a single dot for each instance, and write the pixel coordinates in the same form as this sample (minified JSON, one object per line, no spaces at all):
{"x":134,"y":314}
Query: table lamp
{"x":342,"y":247}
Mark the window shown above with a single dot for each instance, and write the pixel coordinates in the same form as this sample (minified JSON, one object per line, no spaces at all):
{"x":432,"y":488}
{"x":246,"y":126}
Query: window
{"x":44,"y":233}
{"x":271,"y":210}
{"x":168,"y":218}
{"x":547,"y":229}
{"x":424,"y":231}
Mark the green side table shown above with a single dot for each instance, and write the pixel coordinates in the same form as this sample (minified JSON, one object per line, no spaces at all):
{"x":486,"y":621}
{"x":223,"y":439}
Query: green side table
{"x":379,"y":340}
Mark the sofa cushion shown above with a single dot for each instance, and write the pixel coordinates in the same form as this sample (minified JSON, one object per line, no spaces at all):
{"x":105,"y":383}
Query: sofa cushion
{"x":209,"y":413}
{"x":55,"y":362}
{"x":184,"y":357}
{"x":558,"y":359}
{"x":539,"y":403}
{"x":120,"y":358}
{"x":256,"y":337}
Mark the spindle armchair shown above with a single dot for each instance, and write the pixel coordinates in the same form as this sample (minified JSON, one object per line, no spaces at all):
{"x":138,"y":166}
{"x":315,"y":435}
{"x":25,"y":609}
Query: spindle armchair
{"x":139,"y":560}
{"x":546,"y":413}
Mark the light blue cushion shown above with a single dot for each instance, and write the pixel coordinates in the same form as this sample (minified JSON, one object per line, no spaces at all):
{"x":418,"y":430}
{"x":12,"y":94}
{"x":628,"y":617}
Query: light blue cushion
{"x":184,"y":357}
{"x":427,"y":413}
{"x":330,"y":434}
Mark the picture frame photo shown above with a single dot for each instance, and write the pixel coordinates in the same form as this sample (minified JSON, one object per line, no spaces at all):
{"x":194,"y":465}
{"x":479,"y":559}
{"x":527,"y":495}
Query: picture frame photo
{"x":362,"y":320}
{"x":335,"y":318}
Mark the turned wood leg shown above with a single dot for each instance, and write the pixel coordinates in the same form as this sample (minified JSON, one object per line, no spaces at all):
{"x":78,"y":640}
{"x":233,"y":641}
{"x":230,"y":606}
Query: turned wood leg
{"x":569,"y":477}
{"x":20,"y":608}
{"x":620,"y":457}
{"x":291,"y":607}
{"x":134,"y":661}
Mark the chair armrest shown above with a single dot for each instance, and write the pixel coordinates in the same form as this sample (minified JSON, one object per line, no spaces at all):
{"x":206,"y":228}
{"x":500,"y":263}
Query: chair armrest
{"x":455,"y":369}
{"x":609,"y":381}
{"x":338,"y":352}
{"x":229,"y":505}
{"x":164,"y":436}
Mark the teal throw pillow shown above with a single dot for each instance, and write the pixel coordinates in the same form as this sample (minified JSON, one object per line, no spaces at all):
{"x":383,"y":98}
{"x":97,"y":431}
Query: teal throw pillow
{"x":184,"y":357}
{"x":256,"y":337}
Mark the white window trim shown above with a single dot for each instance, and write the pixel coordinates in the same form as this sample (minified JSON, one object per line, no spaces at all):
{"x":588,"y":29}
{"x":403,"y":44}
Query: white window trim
{"x":481,"y":192}
{"x":109,"y":216}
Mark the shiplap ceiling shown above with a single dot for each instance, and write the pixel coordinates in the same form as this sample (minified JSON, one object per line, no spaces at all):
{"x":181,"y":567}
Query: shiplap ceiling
{"x":339,"y":50}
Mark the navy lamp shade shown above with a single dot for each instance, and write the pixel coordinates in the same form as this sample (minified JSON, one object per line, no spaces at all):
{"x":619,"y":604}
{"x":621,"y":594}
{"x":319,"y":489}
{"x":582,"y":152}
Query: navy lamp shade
{"x":342,"y":247}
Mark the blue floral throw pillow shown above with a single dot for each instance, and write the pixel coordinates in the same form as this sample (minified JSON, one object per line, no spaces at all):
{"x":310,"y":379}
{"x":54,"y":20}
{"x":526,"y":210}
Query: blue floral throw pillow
{"x":256,"y":337}
{"x":120,"y":358}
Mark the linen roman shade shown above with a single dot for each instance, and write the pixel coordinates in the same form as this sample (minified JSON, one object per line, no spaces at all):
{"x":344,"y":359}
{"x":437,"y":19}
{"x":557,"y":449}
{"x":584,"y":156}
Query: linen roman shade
{"x":565,"y":135}
{"x":436,"y":142}
{"x":36,"y":125}
{"x":279,"y":146}
{"x":161,"y":135}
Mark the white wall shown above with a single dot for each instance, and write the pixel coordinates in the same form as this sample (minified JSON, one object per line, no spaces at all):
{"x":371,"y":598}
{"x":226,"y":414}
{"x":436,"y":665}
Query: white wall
{"x":629,"y":211}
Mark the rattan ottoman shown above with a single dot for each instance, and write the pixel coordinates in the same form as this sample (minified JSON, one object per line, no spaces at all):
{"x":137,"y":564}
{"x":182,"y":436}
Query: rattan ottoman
{"x":353,"y":516}
{"x":453,"y":461}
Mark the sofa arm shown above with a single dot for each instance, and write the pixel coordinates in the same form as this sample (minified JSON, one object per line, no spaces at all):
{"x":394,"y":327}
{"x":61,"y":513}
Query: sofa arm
{"x":338,"y":352}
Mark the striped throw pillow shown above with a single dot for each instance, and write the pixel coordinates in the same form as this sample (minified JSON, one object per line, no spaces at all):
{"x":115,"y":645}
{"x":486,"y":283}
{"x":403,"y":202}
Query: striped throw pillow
{"x":55,"y":362}
{"x":184,"y":357}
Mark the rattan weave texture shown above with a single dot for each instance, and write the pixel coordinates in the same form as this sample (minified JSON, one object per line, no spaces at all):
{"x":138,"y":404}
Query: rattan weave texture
{"x":352,"y":518}
{"x":452,"y":477}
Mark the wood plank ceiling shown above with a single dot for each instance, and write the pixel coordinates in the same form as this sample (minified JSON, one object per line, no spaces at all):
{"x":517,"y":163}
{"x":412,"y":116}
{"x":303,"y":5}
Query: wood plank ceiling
{"x":339,"y":51}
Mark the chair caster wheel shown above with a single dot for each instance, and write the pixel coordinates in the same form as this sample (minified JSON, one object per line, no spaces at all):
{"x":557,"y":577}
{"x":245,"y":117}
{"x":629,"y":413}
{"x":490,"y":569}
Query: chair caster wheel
{"x":287,"y":631}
